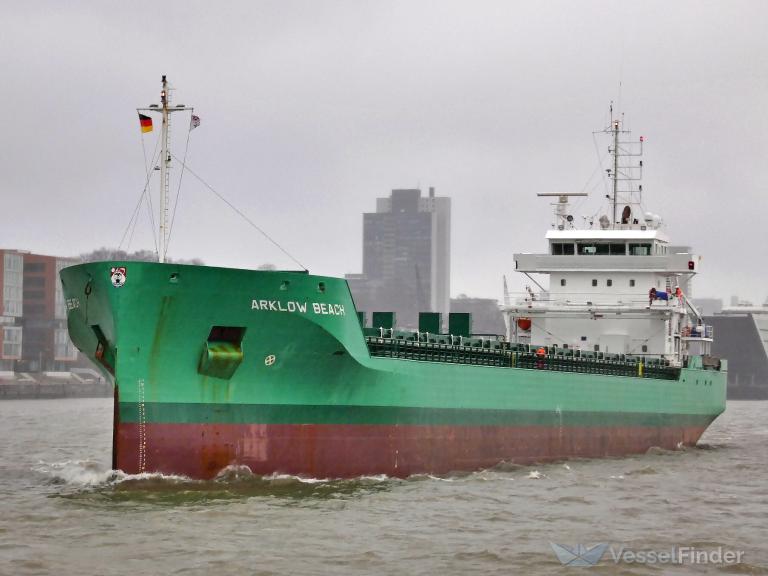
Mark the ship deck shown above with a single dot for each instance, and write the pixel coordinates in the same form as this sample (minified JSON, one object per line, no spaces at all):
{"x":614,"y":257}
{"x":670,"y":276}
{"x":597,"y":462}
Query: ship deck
{"x":490,"y":352}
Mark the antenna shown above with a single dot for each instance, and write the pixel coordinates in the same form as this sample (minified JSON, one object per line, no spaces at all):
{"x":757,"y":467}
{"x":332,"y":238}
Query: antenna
{"x":563,"y":218}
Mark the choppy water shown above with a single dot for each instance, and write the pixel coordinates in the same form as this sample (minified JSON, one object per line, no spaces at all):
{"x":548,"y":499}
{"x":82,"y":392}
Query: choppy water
{"x":62,"y":511}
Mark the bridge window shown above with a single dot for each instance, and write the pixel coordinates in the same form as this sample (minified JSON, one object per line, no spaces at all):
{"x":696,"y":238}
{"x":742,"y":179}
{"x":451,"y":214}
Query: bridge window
{"x":631,"y":282}
{"x":609,"y":282}
{"x":562,"y":248}
{"x":594,"y":281}
{"x":592,"y":248}
{"x":640,"y":249}
{"x":562,"y":281}
{"x":601,"y":249}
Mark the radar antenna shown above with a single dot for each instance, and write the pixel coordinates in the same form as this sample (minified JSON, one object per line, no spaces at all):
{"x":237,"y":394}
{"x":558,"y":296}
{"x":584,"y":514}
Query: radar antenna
{"x":563,"y":218}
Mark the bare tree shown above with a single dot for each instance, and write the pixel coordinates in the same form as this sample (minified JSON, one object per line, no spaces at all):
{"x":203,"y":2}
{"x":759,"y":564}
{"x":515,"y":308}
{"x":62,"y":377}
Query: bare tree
{"x":105,"y":253}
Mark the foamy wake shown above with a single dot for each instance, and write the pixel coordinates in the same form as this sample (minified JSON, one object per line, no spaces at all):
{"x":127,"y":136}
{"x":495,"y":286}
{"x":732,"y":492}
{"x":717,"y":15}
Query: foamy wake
{"x":242,"y":472}
{"x":76,"y":472}
{"x":276,"y":477}
{"x":375,"y":478}
{"x":88,"y":473}
{"x":93,"y":474}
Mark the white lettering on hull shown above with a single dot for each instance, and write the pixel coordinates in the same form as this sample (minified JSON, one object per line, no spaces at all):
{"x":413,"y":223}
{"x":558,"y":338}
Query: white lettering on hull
{"x":319,"y":308}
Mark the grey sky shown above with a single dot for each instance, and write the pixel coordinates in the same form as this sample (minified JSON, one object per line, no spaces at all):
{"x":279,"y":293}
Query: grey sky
{"x":310,"y":110}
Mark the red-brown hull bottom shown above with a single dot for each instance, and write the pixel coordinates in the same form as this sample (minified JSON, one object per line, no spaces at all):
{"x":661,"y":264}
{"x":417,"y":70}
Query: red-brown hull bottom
{"x":345,"y":451}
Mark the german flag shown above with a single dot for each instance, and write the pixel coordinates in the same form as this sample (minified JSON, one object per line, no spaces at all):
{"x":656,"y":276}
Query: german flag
{"x":146,"y":123}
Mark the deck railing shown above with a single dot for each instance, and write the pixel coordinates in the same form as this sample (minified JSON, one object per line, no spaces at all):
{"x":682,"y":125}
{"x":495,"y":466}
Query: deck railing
{"x":507,"y":355}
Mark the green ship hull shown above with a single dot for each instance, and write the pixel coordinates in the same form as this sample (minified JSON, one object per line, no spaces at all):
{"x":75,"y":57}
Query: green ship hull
{"x":215,"y":367}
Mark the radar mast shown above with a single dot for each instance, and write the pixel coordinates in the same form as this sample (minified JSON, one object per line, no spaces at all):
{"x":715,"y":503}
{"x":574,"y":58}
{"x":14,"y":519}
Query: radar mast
{"x":625,"y":173}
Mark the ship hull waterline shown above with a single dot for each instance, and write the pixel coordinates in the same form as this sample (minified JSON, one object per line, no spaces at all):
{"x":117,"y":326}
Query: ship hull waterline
{"x":347,"y":451}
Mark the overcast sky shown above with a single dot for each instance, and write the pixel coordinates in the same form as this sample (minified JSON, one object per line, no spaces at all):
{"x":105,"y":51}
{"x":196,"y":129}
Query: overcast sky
{"x":310,"y":110}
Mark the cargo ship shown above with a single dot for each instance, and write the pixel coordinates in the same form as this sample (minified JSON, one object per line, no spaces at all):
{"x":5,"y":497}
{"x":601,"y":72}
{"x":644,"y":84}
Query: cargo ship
{"x":278,"y":371}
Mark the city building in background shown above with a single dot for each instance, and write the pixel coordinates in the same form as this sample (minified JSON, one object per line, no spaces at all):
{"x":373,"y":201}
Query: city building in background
{"x":406,"y":257}
{"x":708,"y":306}
{"x":11,"y":332}
{"x":33,"y":322}
{"x":741,"y":336}
{"x":487,"y":317}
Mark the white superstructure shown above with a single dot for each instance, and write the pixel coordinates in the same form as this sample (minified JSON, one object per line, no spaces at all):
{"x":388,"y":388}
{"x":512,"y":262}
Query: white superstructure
{"x":601,"y":278}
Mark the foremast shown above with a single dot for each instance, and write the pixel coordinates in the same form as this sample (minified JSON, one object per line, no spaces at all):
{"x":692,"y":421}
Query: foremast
{"x":165,"y":110}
